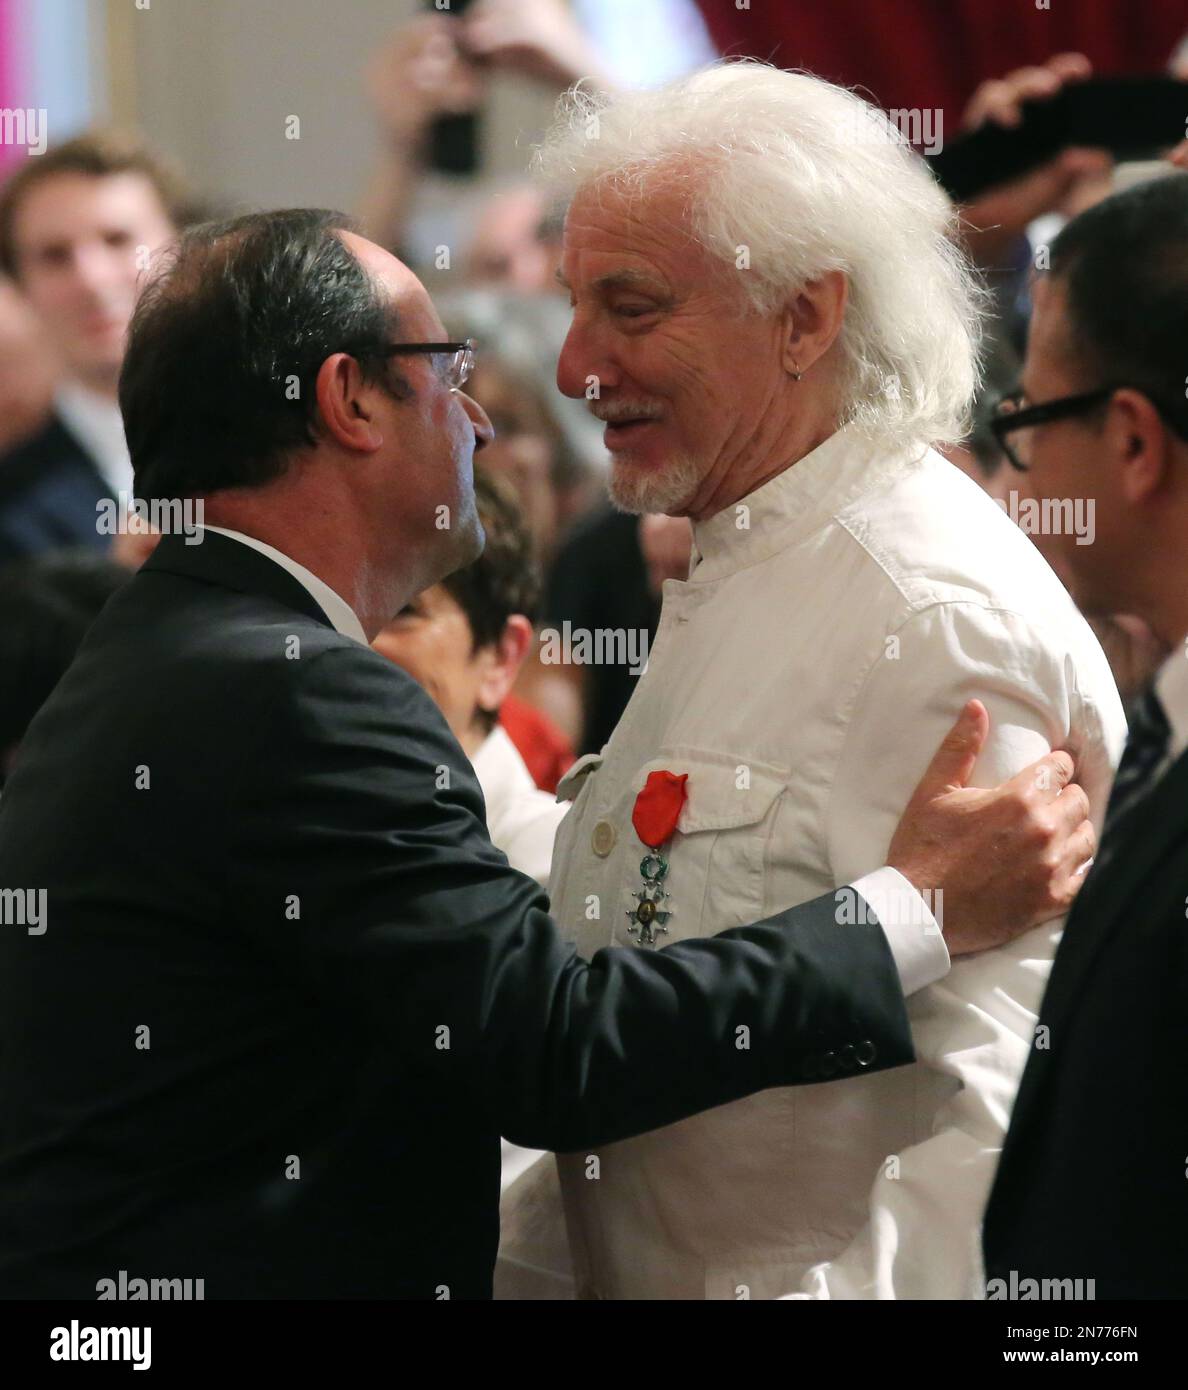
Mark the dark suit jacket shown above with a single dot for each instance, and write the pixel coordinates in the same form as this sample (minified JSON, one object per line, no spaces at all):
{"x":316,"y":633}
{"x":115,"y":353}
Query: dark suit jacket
{"x":289,"y":995}
{"x":49,"y":486}
{"x":1092,"y":1182}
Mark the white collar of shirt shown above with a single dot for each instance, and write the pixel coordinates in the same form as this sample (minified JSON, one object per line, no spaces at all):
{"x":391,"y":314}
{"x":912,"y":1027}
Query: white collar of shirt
{"x":340,"y":613}
{"x":96,"y":422}
{"x":1171,"y":685}
{"x":794,"y":503}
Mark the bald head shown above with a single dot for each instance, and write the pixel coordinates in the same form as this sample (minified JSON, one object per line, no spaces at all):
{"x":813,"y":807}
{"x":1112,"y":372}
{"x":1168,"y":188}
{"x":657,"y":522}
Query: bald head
{"x":394,"y":280}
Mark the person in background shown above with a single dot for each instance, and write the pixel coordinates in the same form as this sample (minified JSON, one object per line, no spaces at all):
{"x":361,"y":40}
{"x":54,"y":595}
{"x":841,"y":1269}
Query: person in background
{"x":599,"y":583}
{"x":1003,"y":229}
{"x":530,"y":450}
{"x":936,"y":52}
{"x":77,"y":227}
{"x":1007,"y":224}
{"x":28,"y":369}
{"x":996,"y":222}
{"x":47,"y":603}
{"x":464,"y":640}
{"x":1091,"y":1184}
{"x":439,"y":65}
{"x":534,"y":453}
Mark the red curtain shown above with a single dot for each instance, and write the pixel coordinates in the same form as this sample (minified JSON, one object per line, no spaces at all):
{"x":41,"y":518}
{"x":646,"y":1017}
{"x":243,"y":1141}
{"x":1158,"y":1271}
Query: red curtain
{"x":933,"y":53}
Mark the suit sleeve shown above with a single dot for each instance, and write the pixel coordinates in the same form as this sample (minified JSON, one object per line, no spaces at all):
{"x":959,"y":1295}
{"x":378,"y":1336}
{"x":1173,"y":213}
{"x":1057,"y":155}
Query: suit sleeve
{"x":974,"y":1029}
{"x":366,"y":815}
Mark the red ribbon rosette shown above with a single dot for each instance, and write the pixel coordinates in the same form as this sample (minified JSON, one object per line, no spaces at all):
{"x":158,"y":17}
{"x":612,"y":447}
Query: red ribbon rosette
{"x":658,"y":807}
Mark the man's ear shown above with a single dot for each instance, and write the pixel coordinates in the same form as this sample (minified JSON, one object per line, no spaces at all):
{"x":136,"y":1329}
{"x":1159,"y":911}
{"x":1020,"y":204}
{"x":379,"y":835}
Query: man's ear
{"x":813,"y":319}
{"x":502,"y":661}
{"x":345,"y":404}
{"x":1138,"y":444}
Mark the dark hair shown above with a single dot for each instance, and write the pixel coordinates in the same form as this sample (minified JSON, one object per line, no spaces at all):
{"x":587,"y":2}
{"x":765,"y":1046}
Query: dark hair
{"x":98,"y":154}
{"x":46,"y":606}
{"x":1124,"y":264}
{"x":217,"y":386}
{"x":504,"y":579}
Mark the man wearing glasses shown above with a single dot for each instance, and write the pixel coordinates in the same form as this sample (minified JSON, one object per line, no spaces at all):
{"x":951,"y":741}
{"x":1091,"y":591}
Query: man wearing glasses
{"x":1092,"y":1183}
{"x":271,"y":996}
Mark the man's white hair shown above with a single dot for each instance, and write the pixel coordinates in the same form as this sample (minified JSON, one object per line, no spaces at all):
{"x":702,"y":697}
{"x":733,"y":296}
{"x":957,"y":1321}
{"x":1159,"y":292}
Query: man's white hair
{"x":808,"y":178}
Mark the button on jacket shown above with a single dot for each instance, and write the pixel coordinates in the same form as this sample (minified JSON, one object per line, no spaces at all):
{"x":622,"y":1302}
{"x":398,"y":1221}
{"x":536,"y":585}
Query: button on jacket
{"x":833,"y":624}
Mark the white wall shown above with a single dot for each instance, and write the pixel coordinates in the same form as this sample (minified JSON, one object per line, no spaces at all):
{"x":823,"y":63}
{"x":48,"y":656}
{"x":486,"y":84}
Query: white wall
{"x":216,"y":79}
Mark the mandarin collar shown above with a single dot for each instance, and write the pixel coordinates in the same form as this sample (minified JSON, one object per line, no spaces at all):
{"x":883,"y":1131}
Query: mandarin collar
{"x":795,"y":503}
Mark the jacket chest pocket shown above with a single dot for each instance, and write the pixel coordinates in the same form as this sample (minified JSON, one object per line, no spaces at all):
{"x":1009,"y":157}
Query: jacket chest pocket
{"x":716,"y":856}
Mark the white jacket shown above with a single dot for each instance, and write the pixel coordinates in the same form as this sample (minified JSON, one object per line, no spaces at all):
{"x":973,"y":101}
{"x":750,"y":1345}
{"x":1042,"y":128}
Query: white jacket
{"x":833,"y":624}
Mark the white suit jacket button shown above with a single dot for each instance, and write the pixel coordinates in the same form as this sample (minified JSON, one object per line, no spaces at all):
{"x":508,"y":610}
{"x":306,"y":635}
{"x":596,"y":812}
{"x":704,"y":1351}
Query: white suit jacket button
{"x":603,"y":838}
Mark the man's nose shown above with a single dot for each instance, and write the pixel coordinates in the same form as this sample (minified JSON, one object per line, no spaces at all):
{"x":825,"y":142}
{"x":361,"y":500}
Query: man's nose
{"x":96,"y":268}
{"x":484,"y":430}
{"x":581,"y":368}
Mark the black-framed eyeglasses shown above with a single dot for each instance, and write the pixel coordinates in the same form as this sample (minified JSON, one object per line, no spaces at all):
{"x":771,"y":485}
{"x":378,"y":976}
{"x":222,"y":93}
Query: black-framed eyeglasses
{"x":1013,"y":420}
{"x":461,"y":355}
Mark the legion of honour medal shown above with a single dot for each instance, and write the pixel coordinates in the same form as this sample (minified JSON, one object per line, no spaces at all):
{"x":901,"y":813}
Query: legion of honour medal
{"x":654,"y":816}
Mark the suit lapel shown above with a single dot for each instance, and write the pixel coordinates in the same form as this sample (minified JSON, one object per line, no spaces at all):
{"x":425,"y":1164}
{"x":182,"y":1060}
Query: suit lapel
{"x":63,"y":487}
{"x":68,"y":504}
{"x":60,"y":444}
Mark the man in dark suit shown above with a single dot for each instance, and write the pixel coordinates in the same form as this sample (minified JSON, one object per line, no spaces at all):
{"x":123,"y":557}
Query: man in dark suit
{"x":1092,"y":1188}
{"x":277,"y":996}
{"x":50,"y":489}
{"x":46,"y":606}
{"x":73,"y":225}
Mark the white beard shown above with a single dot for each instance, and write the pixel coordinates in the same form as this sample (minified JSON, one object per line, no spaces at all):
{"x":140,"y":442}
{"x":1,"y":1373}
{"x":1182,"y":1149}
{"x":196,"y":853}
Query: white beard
{"x":664,"y":490}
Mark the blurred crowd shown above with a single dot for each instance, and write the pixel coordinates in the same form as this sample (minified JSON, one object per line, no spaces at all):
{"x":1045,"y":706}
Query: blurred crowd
{"x":78,"y":224}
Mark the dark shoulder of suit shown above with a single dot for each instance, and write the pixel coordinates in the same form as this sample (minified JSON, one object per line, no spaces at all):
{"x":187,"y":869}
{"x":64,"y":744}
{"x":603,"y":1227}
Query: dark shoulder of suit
{"x":289,"y":995}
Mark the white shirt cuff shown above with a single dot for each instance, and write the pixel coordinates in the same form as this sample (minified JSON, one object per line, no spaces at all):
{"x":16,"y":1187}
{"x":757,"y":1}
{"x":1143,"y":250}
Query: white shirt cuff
{"x":912,"y":932}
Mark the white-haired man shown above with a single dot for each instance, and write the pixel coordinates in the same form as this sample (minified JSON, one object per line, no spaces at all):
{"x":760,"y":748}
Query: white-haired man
{"x":771,"y":317}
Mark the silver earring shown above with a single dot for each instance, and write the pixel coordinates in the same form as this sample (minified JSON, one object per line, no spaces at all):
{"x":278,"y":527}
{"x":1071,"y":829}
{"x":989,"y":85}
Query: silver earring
{"x":796,"y":375}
